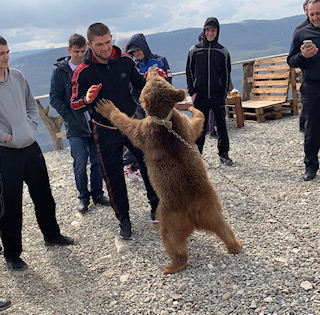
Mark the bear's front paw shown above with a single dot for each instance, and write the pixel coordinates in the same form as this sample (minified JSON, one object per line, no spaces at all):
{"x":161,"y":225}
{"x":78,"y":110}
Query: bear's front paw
{"x":104,"y":107}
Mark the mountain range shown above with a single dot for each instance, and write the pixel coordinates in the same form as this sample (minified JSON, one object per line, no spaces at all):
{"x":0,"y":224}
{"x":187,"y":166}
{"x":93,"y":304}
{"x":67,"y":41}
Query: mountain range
{"x":245,"y":40}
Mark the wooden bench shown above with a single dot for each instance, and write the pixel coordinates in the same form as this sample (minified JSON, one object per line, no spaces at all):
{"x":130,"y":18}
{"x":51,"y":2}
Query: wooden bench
{"x":271,"y":85}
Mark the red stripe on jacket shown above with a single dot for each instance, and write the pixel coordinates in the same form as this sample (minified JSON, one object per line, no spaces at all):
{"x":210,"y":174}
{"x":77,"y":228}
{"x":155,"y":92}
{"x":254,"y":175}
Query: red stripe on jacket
{"x":77,"y":104}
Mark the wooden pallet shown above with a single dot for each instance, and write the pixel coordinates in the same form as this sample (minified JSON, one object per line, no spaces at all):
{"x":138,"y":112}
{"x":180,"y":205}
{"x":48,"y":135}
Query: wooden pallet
{"x":259,"y":111}
{"x":270,"y":83}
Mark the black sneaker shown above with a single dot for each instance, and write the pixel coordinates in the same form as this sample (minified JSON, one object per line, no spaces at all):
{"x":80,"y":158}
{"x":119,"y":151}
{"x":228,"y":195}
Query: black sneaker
{"x":224,"y":158}
{"x":101,"y":200}
{"x":60,"y":240}
{"x":83,"y":205}
{"x":125,"y":229}
{"x":4,"y":304}
{"x":16,"y":264}
{"x":309,"y":175}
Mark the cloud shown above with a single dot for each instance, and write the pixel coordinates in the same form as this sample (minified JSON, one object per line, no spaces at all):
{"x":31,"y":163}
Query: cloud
{"x":49,"y":23}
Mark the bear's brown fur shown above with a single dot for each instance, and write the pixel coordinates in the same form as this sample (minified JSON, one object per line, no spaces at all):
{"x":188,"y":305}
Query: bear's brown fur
{"x":178,"y":174}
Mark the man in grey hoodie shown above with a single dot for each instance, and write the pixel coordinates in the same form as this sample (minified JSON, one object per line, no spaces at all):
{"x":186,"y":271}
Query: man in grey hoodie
{"x":21,"y":160}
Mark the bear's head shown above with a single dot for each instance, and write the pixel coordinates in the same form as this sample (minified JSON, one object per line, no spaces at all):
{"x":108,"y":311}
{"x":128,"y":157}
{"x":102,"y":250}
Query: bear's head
{"x":158,"y":96}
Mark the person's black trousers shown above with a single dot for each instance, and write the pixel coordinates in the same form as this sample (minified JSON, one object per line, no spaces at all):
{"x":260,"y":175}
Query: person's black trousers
{"x":110,"y":144}
{"x":311,"y":116}
{"x":18,"y":166}
{"x":220,"y":115}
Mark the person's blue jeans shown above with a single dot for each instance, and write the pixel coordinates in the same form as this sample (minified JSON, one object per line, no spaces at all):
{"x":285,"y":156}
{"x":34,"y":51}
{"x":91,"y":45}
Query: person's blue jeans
{"x":83,"y":148}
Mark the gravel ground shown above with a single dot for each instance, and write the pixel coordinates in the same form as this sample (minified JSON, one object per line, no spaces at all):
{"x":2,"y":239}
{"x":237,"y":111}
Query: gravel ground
{"x":272,"y":211}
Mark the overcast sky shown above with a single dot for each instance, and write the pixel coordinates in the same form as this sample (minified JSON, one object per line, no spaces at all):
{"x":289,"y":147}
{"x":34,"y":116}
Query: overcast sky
{"x":34,"y":24}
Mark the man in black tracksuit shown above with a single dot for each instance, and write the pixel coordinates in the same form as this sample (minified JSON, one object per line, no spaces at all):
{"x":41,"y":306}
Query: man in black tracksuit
{"x":106,"y":73}
{"x":208,"y":74}
{"x":308,"y":60}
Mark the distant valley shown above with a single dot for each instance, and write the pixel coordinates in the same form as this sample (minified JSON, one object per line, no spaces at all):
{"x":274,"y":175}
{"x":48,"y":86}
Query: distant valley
{"x":244,"y":40}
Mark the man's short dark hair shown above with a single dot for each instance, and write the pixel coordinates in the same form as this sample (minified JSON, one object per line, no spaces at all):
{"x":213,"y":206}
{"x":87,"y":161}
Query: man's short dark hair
{"x":3,"y":42}
{"x":312,"y":1}
{"x":77,"y":40}
{"x":97,"y":29}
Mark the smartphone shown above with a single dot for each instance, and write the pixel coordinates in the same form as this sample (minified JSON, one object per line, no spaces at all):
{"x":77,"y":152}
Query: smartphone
{"x":307,"y":43}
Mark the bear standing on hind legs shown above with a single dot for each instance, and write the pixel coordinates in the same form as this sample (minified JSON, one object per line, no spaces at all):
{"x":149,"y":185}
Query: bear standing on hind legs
{"x":188,"y":200}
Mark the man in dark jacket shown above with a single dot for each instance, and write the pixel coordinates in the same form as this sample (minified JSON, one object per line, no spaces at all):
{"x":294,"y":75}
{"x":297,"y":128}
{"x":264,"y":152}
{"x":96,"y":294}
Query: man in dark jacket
{"x":307,"y":58}
{"x":208,"y":74}
{"x":78,"y":126}
{"x":107,"y":73}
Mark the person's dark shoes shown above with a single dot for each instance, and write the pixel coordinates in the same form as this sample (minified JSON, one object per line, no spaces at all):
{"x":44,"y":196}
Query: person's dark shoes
{"x":224,"y":158}
{"x":60,"y":240}
{"x":309,"y":175}
{"x":125,"y":229}
{"x":102,"y":200}
{"x":16,"y":264}
{"x":83,"y":205}
{"x":4,"y":304}
{"x":214,"y":135}
{"x":154,"y":218}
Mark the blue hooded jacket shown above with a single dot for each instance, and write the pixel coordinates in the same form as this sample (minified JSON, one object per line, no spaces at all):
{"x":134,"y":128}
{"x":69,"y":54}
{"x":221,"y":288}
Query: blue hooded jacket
{"x":150,"y":58}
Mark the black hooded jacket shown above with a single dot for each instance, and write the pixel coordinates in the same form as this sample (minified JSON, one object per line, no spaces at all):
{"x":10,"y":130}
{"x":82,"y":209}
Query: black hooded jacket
{"x":115,"y":77}
{"x":208,"y":67}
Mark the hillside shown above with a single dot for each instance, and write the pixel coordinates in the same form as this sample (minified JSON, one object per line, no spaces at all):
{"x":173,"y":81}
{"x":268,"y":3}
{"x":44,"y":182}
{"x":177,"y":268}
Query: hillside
{"x":244,"y":40}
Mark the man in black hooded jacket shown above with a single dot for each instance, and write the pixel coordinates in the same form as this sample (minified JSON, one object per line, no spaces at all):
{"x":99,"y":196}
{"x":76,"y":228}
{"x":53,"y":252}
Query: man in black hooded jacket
{"x":106,"y":73}
{"x":208,"y":75}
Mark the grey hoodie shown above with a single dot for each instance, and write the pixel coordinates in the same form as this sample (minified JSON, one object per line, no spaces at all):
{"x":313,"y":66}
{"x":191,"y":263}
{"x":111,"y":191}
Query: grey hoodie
{"x":18,"y":111}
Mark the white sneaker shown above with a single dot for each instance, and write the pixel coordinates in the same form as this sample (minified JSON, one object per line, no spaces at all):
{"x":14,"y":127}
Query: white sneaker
{"x":128,"y":172}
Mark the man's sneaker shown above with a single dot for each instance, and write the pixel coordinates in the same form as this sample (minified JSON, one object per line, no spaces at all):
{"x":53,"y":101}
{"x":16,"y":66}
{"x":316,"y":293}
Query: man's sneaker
{"x":83,"y":205}
{"x":60,"y":240}
{"x":128,"y":172}
{"x":309,"y":175}
{"x":16,"y":264}
{"x":125,"y":229}
{"x":4,"y":304}
{"x":224,"y":158}
{"x":154,"y":217}
{"x":101,"y":200}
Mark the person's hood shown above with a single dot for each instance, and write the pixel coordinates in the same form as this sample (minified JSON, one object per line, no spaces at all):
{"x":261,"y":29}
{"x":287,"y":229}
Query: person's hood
{"x":121,"y":42}
{"x":62,"y":62}
{"x":211,"y":22}
{"x":140,"y":41}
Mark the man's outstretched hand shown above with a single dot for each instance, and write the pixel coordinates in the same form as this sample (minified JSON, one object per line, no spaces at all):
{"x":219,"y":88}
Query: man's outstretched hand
{"x":92,"y":93}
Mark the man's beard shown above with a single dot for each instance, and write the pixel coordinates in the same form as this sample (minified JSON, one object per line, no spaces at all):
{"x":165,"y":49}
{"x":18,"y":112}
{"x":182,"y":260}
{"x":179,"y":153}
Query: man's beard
{"x":101,"y":57}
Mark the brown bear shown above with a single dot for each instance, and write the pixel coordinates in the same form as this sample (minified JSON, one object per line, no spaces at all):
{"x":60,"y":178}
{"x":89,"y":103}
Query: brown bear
{"x":176,"y":170}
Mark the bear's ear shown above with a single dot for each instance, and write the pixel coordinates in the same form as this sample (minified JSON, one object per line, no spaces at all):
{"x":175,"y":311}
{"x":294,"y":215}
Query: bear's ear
{"x":180,"y":95}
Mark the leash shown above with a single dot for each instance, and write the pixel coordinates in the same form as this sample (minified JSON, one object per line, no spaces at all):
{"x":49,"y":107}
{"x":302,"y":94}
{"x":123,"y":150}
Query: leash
{"x":261,"y":207}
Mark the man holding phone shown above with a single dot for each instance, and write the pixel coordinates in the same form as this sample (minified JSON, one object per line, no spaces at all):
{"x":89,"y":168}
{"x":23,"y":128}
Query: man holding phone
{"x":304,"y":54}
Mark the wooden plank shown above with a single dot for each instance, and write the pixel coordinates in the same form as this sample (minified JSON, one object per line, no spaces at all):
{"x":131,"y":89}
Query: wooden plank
{"x":280,"y":99}
{"x":272,"y":68}
{"x":271,"y":60}
{"x":275,"y":75}
{"x":270,"y":90}
{"x":284,"y":82}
